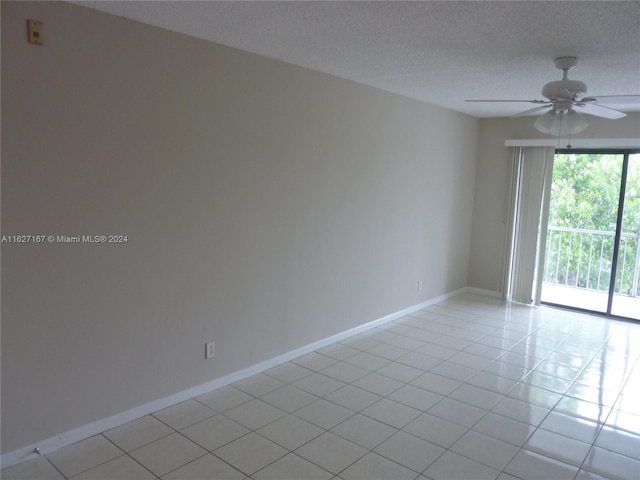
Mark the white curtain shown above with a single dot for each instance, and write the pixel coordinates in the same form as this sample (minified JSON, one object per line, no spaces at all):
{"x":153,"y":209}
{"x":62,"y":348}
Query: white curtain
{"x":530,"y":189}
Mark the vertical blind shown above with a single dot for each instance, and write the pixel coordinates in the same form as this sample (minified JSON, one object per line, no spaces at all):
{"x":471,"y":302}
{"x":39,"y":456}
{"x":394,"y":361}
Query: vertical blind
{"x":530,"y":190}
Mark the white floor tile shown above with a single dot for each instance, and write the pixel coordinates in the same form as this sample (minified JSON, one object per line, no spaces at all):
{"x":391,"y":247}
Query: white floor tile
{"x":374,"y":466}
{"x":399,"y":371}
{"x":592,"y":394}
{"x":507,"y":370}
{"x":254,"y":414}
{"x":436,"y":383}
{"x":214,"y":432}
{"x":485,"y":351}
{"x":290,"y":432}
{"x":378,"y":384}
{"x":522,"y":411}
{"x":506,"y":476}
{"x":288,"y":372}
{"x":250,"y":453}
{"x":331,"y":452}
{"x":391,"y":412}
{"x":258,"y":385}
{"x":622,"y":420}
{"x":629,"y":400}
{"x":505,"y":429}
{"x":420,"y":361}
{"x":547,"y":382}
{"x":435,"y":430}
{"x":367,"y":361}
{"x":528,"y":465}
{"x":619,"y":441}
{"x":294,"y":467}
{"x":453,"y":342}
{"x":479,"y":397}
{"x":553,"y":445}
{"x":537,"y":396}
{"x":39,"y":468}
{"x":493,"y":383}
{"x":470,"y":360}
{"x":484,"y":449}
{"x":410,"y":451}
{"x":452,"y":465}
{"x":120,"y":467}
{"x":415,"y":397}
{"x":611,"y":465}
{"x":338,"y":351}
{"x":324,"y":414}
{"x":584,"y":475}
{"x":387,"y":351}
{"x":580,"y":408}
{"x":138,"y":433}
{"x":84,"y":455}
{"x":457,"y":412}
{"x":224,"y":398}
{"x":207,"y":466}
{"x":454,"y":371}
{"x":573,"y":427}
{"x":437,"y":351}
{"x":358,"y":342}
{"x":364,"y":431}
{"x":318,"y":384}
{"x":184,"y":414}
{"x":314,"y":361}
{"x":288,"y":398}
{"x":407,"y":342}
{"x":168,"y":453}
{"x":353,"y":398}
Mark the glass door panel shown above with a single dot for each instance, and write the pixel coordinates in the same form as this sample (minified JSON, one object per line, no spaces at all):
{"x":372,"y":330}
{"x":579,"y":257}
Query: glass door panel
{"x":583,"y":214}
{"x":626,"y":294}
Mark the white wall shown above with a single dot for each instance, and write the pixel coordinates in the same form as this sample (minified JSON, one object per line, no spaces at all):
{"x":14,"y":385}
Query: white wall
{"x":489,"y":217}
{"x":266,"y":207}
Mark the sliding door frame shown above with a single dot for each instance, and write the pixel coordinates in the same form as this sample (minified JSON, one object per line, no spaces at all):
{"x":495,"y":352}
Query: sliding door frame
{"x":626,"y":153}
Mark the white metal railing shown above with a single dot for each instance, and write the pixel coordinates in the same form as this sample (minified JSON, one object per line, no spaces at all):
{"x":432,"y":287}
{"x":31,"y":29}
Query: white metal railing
{"x":582,"y":258}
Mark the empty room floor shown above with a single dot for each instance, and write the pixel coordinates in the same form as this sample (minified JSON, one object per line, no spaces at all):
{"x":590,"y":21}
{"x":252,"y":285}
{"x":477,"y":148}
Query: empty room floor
{"x":470,"y":388}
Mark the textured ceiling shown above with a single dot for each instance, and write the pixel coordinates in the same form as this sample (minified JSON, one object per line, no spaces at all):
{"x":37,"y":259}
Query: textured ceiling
{"x":441,"y":52}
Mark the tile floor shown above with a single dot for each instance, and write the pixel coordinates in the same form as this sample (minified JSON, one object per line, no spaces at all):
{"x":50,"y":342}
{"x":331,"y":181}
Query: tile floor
{"x":470,"y":388}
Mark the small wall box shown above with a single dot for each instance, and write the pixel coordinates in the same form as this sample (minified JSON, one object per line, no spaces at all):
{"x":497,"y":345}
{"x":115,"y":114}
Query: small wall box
{"x":34,"y":28}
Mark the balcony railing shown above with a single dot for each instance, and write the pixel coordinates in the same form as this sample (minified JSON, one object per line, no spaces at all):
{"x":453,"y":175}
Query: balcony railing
{"x":582,"y":258}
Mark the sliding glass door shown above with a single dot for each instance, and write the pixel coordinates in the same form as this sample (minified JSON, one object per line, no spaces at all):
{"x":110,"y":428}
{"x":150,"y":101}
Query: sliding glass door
{"x":592,"y":257}
{"x":625,"y":301}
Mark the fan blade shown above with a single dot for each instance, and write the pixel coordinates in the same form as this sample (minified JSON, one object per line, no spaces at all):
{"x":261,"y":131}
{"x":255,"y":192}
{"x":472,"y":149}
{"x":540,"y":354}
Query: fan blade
{"x":599,"y":111}
{"x":533,"y":111}
{"x":613,"y":99}
{"x":524,"y":101}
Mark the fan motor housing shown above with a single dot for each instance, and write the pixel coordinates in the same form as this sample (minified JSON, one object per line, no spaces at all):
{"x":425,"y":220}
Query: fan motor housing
{"x":575,"y":87}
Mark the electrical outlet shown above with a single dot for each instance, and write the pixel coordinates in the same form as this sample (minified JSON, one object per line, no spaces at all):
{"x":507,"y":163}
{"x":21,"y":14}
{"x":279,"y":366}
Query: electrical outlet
{"x":210,"y":350}
{"x":419,"y":285}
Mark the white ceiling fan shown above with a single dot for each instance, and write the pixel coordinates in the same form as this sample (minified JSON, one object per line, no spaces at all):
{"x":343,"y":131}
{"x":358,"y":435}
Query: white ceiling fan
{"x":566,"y":101}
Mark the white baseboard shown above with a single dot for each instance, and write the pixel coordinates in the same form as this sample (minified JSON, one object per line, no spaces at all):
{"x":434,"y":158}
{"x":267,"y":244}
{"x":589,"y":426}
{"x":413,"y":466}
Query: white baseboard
{"x":486,"y":293}
{"x":48,"y":445}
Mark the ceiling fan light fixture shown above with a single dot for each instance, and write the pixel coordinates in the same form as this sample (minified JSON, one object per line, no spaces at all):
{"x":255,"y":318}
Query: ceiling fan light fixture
{"x":561,"y":122}
{"x":547,"y":121}
{"x":575,"y":122}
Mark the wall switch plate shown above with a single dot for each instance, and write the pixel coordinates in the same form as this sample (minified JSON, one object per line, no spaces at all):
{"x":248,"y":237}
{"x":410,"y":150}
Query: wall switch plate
{"x":210,"y":351}
{"x":34,"y":28}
